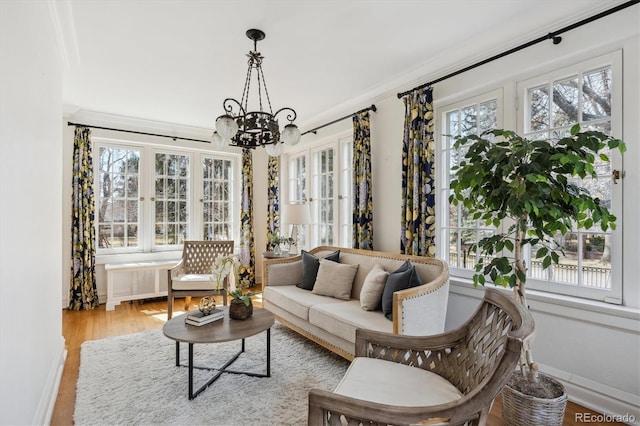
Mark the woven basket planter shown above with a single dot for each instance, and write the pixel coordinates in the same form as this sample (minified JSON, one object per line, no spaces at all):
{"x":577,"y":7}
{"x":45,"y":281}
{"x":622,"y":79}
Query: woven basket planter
{"x":520,"y":409}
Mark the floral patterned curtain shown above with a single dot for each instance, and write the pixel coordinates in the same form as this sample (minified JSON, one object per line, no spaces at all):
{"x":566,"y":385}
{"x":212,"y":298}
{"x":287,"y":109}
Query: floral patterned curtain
{"x":418,"y":176}
{"x":273,"y":200}
{"x":362,"y":189}
{"x":83,"y":293}
{"x":247,"y":249}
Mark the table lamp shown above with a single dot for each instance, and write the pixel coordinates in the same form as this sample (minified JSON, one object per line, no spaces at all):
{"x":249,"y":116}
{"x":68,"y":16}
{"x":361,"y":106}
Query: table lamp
{"x":296,"y":215}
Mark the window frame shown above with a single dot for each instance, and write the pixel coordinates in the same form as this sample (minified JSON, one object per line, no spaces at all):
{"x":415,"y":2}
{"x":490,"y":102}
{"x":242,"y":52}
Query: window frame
{"x":337,"y":143}
{"x":443,"y":172}
{"x":514,"y":115}
{"x":146,"y":191}
{"x":550,"y":74}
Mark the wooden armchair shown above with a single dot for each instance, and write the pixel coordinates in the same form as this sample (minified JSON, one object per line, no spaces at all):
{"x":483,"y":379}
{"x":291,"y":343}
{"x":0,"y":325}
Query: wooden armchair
{"x":192,"y":275}
{"x":450,"y":378}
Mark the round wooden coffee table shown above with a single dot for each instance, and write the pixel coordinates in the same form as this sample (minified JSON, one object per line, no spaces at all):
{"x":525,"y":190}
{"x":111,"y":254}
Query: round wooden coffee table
{"x":223,"y":330}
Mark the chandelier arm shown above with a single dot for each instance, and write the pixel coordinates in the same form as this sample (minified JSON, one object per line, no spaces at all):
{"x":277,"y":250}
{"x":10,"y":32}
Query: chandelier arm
{"x":228,"y":107}
{"x":291,"y":116}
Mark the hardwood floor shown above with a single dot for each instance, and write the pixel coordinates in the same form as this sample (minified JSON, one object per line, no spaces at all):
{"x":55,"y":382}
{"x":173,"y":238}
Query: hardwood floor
{"x":79,"y":326}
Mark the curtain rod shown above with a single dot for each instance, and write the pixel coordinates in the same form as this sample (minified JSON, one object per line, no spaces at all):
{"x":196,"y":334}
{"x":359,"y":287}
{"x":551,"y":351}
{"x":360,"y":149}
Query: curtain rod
{"x":69,"y":123}
{"x":371,"y":108}
{"x":551,"y":36}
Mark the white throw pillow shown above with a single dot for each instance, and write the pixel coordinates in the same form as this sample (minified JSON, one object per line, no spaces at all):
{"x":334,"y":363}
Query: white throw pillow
{"x":372,"y":288}
{"x":335,"y":279}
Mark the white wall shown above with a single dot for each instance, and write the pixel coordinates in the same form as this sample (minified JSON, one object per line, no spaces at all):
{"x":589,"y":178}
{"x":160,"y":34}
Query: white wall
{"x":31,"y":344}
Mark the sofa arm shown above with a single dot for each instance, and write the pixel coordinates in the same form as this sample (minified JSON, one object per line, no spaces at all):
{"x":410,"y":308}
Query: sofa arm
{"x":282,"y":271}
{"x":422,"y":310}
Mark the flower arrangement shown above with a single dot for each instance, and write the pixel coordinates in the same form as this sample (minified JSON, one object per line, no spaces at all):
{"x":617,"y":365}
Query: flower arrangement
{"x":220,"y":268}
{"x":276,"y":239}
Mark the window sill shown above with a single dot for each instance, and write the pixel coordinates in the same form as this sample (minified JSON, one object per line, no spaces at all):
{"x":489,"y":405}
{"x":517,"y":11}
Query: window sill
{"x":584,"y":310}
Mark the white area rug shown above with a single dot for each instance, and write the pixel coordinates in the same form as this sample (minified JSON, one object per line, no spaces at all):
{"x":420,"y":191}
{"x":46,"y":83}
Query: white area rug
{"x":133,"y":380}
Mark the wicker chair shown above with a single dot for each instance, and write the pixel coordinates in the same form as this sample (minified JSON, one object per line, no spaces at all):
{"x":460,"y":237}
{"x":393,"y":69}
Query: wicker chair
{"x":450,"y":378}
{"x":192,"y":275}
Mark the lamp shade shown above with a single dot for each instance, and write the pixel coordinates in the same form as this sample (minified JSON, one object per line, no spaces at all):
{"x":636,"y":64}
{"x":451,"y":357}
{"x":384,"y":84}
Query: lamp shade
{"x":274,"y":149}
{"x":291,"y":134}
{"x":226,"y":126}
{"x":296,"y":214}
{"x":216,"y":141}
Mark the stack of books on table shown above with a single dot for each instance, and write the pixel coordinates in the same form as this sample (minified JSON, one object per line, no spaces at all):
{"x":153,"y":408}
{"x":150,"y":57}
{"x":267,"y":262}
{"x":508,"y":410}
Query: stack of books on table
{"x":198,"y":318}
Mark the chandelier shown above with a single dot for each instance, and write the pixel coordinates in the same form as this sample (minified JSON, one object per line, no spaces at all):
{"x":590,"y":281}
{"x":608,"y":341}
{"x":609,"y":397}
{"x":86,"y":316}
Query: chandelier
{"x":239,"y":126}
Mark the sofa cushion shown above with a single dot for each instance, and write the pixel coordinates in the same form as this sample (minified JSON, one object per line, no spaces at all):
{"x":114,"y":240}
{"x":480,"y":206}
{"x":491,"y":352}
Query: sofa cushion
{"x":343,"y":318}
{"x":401,"y":279}
{"x":310,"y":266}
{"x":295,"y":300}
{"x":373,"y":287}
{"x":394,"y":384}
{"x":334,"y":279}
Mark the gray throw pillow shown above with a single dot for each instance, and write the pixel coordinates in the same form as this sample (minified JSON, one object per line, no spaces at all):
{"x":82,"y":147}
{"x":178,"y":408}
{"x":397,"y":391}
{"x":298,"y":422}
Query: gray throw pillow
{"x":310,"y":265}
{"x":402,"y":278}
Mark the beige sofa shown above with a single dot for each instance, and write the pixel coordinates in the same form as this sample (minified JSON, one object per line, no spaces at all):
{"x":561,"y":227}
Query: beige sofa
{"x":332,"y":322}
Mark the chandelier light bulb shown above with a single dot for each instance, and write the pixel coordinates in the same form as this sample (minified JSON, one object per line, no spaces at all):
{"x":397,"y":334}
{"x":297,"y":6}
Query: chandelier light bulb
{"x":226,"y":126}
{"x":291,"y":134}
{"x":216,"y":141}
{"x":274,"y":149}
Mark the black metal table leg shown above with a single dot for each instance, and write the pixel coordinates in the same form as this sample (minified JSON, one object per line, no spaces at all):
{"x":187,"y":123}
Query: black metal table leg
{"x":222,"y":369}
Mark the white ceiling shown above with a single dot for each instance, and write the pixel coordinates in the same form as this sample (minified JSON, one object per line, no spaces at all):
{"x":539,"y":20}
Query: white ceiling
{"x":175,"y":61}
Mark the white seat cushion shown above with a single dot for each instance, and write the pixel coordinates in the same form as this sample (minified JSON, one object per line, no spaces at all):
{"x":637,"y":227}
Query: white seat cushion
{"x":342,"y":319}
{"x":193,"y":282}
{"x":387,"y":382}
{"x":295,"y":300}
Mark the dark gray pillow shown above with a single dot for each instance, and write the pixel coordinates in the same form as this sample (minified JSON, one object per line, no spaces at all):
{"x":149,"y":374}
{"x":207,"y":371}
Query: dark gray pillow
{"x":402,"y":278}
{"x":310,"y":265}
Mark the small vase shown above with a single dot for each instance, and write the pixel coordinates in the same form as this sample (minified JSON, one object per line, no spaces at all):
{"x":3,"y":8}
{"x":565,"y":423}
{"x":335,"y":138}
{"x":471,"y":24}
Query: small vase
{"x":277,"y":250}
{"x":206,"y":305}
{"x":239,"y":311}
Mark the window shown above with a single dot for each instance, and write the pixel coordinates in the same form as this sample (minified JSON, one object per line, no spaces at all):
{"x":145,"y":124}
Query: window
{"x":297,"y":177}
{"x":471,"y":116}
{"x":217,"y":198}
{"x":323,"y":199}
{"x":171,"y":200}
{"x":118,"y":203}
{"x":329,"y":182}
{"x":587,"y":94}
{"x":547,"y":106}
{"x":147,"y":206}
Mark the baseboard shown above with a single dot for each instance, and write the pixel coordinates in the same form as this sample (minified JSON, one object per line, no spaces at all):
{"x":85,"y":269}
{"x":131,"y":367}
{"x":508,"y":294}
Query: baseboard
{"x":50,"y":390}
{"x":614,"y":404}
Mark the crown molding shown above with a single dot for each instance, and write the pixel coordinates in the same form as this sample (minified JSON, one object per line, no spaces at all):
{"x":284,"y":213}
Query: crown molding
{"x":97,"y":118}
{"x":65,"y":30}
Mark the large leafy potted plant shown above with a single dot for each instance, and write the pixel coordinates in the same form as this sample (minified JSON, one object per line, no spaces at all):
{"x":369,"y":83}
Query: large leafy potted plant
{"x":532,"y":187}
